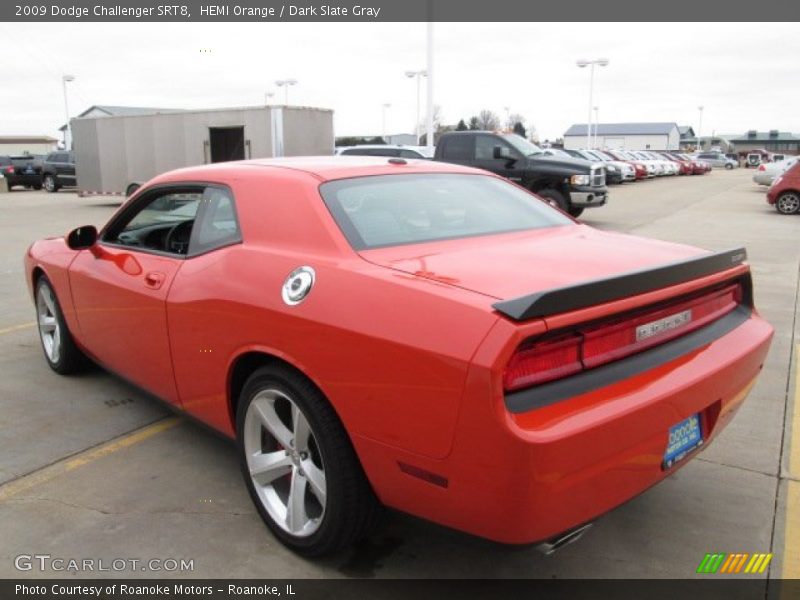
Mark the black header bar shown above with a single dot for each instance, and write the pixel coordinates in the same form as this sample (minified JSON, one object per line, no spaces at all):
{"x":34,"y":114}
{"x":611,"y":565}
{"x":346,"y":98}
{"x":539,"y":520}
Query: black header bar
{"x":372,"y":11}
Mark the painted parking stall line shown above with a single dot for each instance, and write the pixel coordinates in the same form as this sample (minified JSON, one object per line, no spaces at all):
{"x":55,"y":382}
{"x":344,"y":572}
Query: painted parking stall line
{"x":791,"y":550}
{"x":50,"y":472}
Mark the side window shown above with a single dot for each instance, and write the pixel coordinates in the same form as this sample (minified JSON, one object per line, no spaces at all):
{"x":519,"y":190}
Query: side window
{"x":51,"y":157}
{"x":217,"y":224}
{"x":410,"y":154}
{"x":163,"y":222}
{"x":484,"y":147}
{"x":459,"y":147}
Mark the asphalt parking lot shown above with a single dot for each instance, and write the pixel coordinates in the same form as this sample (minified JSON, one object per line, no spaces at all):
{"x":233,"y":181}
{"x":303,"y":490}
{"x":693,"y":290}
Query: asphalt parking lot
{"x":92,"y":468}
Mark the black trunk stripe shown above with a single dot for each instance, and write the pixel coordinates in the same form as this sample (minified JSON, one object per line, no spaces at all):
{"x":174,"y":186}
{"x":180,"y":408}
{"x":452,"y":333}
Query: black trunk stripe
{"x":586,"y":381}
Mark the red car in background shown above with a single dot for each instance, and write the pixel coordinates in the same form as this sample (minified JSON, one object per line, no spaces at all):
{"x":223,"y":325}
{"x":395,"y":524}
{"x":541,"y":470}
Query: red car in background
{"x":686,"y":167}
{"x":413,"y":334}
{"x":641,"y":169}
{"x":784,"y":193}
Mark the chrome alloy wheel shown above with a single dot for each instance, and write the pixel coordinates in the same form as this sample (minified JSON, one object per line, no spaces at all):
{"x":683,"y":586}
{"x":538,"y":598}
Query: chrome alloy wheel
{"x":49,"y":328}
{"x":788,"y":203}
{"x":285,"y":463}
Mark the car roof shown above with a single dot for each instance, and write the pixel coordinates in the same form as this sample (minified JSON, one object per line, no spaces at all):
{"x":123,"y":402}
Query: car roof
{"x":326,"y":168}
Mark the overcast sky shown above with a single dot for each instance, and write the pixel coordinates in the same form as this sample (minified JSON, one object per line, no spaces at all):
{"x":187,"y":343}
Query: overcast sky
{"x":746,"y":75}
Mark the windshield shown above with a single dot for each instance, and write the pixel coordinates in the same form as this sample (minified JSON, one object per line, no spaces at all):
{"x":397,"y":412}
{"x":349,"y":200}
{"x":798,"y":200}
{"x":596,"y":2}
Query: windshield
{"x":390,"y":210}
{"x":522,"y":145}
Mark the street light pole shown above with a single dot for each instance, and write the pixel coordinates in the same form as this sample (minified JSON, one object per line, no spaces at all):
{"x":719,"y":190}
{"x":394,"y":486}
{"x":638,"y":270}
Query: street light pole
{"x":591,"y":63}
{"x":417,"y":75}
{"x":285,"y":83}
{"x":267,"y":96}
{"x":383,"y":120}
{"x":596,"y":125}
{"x":699,"y":128}
{"x":67,"y":136}
{"x":429,"y":136}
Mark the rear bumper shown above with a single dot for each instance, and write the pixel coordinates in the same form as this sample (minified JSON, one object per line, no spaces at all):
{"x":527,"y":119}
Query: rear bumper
{"x":526,"y":477}
{"x":22,"y":179}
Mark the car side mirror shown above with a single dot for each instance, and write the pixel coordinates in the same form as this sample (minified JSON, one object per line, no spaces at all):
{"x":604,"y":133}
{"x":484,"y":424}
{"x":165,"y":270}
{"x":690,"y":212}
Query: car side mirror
{"x":82,"y":237}
{"x":503,"y":153}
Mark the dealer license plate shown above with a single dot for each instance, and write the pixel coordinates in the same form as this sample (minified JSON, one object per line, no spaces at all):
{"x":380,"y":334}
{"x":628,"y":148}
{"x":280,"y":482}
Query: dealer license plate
{"x":683,"y":438}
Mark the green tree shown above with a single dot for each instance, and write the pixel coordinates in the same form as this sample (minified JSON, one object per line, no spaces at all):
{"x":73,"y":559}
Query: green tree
{"x":474,"y":124}
{"x":462,"y":126}
{"x":519,"y":129}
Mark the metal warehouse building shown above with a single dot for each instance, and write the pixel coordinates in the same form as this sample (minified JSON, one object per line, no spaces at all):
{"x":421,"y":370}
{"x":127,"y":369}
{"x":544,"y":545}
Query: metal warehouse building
{"x":114,"y":152}
{"x":628,"y":136}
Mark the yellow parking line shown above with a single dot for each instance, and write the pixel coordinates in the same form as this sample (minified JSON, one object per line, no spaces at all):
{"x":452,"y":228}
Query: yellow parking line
{"x":16,"y":328}
{"x":73,"y":462}
{"x":791,"y":546}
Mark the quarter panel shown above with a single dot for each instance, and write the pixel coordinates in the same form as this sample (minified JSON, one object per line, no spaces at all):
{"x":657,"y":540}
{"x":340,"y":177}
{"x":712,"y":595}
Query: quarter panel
{"x":390,"y":351}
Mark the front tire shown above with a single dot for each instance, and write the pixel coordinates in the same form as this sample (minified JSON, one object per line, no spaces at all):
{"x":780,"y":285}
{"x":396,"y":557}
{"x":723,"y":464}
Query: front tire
{"x":50,"y":184}
{"x":729,"y":166}
{"x":788,"y":203}
{"x":575,"y":211}
{"x":60,"y":351}
{"x":299,"y":465}
{"x":554,"y":198}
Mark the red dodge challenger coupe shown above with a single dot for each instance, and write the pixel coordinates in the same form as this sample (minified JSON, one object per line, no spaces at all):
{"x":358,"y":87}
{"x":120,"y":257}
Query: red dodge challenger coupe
{"x":413,"y":334}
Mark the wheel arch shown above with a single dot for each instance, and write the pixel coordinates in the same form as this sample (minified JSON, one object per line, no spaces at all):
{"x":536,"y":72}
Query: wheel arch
{"x":247,"y":362}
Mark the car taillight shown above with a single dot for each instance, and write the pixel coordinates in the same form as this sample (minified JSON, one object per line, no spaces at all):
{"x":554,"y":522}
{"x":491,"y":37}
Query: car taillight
{"x":10,"y":169}
{"x":597,"y":344}
{"x":762,"y":168}
{"x":544,"y":361}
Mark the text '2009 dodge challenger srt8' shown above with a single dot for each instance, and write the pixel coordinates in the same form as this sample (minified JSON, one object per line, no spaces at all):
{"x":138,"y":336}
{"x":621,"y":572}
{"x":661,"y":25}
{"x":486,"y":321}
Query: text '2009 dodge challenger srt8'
{"x":424,"y":336}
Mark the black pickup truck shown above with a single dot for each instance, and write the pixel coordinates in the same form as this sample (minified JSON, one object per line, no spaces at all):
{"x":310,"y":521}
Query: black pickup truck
{"x":570,"y":184}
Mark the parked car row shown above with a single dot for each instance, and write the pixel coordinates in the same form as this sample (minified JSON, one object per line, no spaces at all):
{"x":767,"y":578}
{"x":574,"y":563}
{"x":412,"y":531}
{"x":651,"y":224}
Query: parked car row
{"x":55,"y":171}
{"x":633,"y":165}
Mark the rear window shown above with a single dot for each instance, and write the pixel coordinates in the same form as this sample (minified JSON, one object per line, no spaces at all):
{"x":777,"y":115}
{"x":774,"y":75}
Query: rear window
{"x":391,"y":210}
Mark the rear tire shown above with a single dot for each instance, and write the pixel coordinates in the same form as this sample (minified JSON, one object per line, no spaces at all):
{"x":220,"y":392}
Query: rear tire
{"x":131,"y":190}
{"x":788,"y":203}
{"x":60,"y":351}
{"x":729,"y":166}
{"x":299,"y":466}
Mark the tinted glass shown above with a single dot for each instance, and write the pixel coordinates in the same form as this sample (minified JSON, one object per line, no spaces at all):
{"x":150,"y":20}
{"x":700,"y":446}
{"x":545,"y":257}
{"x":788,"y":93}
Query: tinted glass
{"x":484,"y":147}
{"x":459,"y":147}
{"x":390,"y":210}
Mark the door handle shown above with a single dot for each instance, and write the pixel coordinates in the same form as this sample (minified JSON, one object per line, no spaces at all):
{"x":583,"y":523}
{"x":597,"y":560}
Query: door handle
{"x":154,"y":279}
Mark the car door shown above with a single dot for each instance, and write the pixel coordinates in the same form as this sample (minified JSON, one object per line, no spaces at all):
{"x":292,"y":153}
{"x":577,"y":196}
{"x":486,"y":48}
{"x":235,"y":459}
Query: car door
{"x":66,"y":168}
{"x":511,"y":166}
{"x":120,"y":286}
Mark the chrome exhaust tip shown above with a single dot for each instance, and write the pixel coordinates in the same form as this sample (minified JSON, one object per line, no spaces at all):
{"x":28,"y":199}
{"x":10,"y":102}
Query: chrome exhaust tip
{"x":573,"y":535}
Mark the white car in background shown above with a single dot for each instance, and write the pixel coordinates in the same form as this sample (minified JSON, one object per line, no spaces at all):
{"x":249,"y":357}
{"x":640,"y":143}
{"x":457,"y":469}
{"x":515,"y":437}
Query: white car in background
{"x":627,"y":169}
{"x":653,"y":166}
{"x":767,"y":172}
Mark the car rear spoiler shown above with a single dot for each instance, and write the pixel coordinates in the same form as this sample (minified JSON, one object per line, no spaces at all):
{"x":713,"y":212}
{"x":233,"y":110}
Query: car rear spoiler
{"x":598,"y":291}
